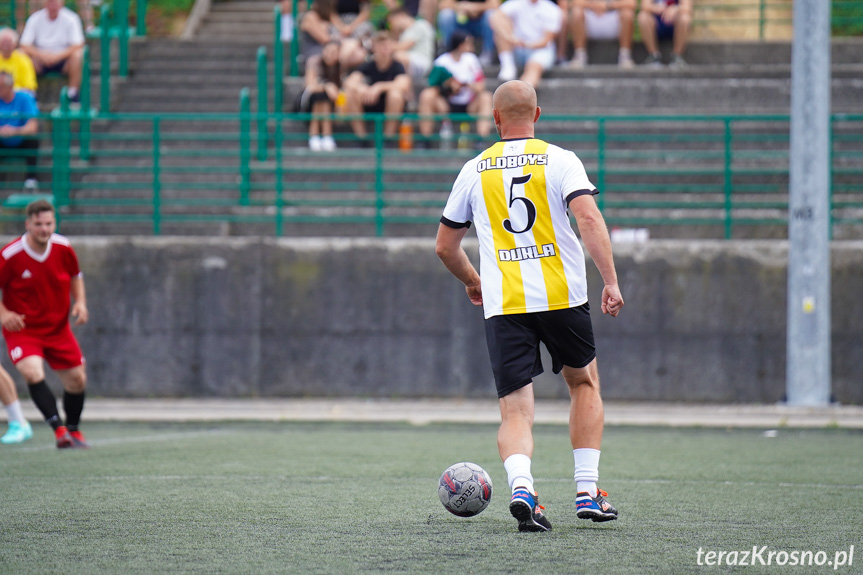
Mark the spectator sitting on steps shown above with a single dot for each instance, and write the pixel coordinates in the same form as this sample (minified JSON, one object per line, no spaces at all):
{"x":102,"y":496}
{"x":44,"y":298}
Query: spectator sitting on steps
{"x":54,"y":39}
{"x":472,"y":17}
{"x":665,"y":19}
{"x":602,"y":20}
{"x":18,"y":125}
{"x":16,"y":62}
{"x":460,"y":90}
{"x":415,"y":45}
{"x":323,"y":83}
{"x":380,"y":85}
{"x":524,"y":31}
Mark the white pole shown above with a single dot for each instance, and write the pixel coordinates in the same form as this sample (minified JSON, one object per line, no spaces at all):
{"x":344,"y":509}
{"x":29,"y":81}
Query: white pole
{"x":808,"y":363}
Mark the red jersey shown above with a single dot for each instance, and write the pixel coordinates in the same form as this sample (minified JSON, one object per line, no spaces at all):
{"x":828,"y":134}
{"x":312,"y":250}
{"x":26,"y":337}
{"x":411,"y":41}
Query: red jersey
{"x":37,"y":285}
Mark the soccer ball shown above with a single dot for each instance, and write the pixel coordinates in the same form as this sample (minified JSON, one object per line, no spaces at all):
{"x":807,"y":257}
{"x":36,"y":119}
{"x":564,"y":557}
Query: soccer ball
{"x":464,"y":489}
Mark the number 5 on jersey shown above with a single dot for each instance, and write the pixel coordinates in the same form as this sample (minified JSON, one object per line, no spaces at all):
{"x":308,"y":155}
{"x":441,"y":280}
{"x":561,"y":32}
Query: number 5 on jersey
{"x":528,"y":205}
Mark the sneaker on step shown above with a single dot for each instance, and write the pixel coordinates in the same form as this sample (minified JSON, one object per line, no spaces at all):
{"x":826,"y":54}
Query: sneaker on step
{"x":653,"y":60}
{"x":18,"y":432}
{"x":328,"y":144}
{"x":594,"y":508}
{"x":64,"y":438}
{"x":677,"y":62}
{"x":78,"y":440}
{"x":624,"y":61}
{"x":525,"y":507}
{"x":579,"y":60}
{"x":507,"y":73}
{"x":315,"y":144}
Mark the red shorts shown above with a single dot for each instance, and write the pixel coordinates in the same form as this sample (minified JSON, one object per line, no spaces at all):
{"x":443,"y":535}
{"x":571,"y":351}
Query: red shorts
{"x":60,"y":350}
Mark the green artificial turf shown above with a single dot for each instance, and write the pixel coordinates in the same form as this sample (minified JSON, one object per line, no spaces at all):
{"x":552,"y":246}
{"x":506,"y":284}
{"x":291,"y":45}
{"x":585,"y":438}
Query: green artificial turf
{"x":362,"y":498}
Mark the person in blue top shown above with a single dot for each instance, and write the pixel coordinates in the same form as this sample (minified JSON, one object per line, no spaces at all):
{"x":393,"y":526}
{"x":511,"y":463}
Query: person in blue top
{"x":18,"y":125}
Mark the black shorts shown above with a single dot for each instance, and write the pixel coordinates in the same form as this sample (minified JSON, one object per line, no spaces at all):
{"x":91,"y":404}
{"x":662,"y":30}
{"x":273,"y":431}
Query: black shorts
{"x":513,"y":344}
{"x":457,"y":108}
{"x":55,"y":69}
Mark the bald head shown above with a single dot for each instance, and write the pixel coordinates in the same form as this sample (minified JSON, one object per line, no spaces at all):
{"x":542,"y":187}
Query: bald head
{"x":515,"y":109}
{"x":515,"y":100}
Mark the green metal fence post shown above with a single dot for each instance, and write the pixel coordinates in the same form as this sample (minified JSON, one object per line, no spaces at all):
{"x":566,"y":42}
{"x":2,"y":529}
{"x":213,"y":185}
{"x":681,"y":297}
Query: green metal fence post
{"x":379,"y":174}
{"x":157,"y":178}
{"x":122,"y":7}
{"x":761,"y":16}
{"x":84,"y":130}
{"x":61,"y":139}
{"x":600,"y":163}
{"x":280,"y":217}
{"x":245,"y":145}
{"x":278,"y":66}
{"x":295,"y":40}
{"x":141,"y":18}
{"x":728,"y":185}
{"x":105,"y":72}
{"x":262,"y":103}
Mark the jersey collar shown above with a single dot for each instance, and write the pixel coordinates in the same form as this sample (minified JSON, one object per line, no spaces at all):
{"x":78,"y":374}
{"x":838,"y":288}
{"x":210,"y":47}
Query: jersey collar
{"x":34,"y":254}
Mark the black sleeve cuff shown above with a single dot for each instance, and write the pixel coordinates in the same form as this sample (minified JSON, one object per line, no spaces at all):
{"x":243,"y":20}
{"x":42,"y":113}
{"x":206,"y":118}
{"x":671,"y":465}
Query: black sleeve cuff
{"x":454,"y":225}
{"x":575,"y":194}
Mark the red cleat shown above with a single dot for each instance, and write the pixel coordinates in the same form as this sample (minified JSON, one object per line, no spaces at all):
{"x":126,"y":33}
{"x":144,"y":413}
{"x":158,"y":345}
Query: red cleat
{"x":78,"y":440}
{"x":64,"y":438}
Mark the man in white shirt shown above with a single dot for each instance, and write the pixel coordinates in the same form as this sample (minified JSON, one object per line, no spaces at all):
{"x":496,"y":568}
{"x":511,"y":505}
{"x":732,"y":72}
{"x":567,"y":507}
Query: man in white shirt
{"x":533,"y":289}
{"x":54,"y":39}
{"x":524,"y":32}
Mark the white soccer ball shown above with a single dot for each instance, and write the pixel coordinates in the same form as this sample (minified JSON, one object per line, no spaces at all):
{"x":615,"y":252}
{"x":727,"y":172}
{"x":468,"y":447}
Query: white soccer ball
{"x":465,"y":489}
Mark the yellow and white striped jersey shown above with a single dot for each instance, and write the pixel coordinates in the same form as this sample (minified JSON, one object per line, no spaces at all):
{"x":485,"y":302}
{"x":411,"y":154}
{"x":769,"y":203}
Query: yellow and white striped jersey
{"x":517,"y":193}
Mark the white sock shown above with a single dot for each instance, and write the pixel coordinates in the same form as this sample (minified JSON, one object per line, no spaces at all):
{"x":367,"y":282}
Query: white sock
{"x":586,"y":470}
{"x":507,"y":60}
{"x":13,"y":411}
{"x":518,"y":472}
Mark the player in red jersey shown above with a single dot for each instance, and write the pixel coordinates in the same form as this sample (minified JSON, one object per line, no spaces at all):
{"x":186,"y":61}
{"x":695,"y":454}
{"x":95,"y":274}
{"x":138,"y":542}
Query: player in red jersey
{"x":38,"y":272}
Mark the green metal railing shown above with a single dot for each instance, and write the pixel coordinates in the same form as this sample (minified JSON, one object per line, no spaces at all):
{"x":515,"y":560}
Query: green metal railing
{"x":728,"y":174}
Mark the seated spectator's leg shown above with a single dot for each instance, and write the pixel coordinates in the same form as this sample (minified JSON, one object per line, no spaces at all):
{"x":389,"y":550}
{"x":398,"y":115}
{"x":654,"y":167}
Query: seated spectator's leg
{"x":481,"y":107}
{"x":72,"y":69}
{"x":503,"y":32}
{"x":578,"y":27}
{"x":31,"y":145}
{"x":430,"y":102}
{"x":326,"y":108}
{"x":487,"y":34}
{"x":537,"y":62}
{"x":427,"y":10}
{"x":351,"y":54}
{"x":395,"y":100}
{"x":627,"y":27}
{"x":446,"y":24}
{"x":647,"y":25}
{"x":354,"y":92}
{"x":562,"y":39}
{"x":682,"y":23}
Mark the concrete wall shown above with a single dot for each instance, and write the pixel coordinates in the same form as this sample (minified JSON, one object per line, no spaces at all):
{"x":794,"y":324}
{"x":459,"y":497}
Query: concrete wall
{"x":704,"y":321}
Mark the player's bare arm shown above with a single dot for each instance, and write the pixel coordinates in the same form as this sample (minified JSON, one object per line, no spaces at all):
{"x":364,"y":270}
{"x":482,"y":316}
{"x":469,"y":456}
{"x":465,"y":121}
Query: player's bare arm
{"x":10,"y":320}
{"x":79,"y":307}
{"x":448,"y":249}
{"x":594,"y":234}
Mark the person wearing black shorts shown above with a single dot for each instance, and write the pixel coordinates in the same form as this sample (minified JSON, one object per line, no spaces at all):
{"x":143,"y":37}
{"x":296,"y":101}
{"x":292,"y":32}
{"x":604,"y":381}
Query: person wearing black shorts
{"x":534,"y":289}
{"x":379,"y":86}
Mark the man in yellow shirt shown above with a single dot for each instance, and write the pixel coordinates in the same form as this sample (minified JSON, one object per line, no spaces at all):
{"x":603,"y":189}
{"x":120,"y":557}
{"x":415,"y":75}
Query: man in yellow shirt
{"x":16,"y":62}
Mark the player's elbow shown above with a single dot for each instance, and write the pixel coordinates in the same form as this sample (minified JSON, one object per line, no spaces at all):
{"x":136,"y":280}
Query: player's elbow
{"x":443,"y":250}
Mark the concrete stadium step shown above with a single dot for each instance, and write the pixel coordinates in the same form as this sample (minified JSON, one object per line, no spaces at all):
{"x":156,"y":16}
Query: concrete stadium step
{"x":250,"y":31}
{"x":218,"y":15}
